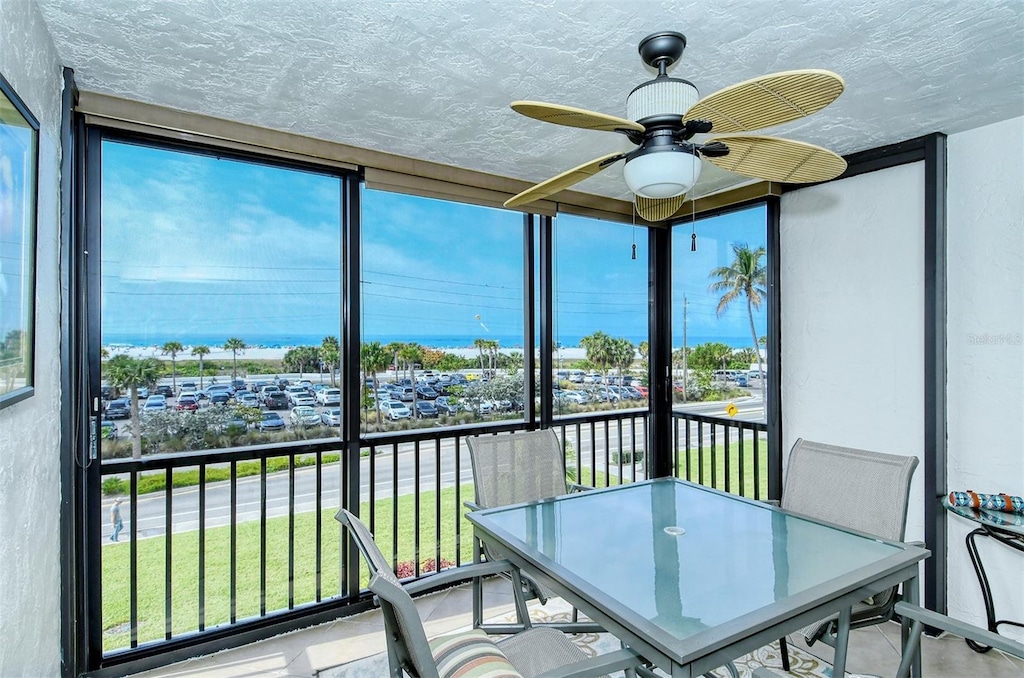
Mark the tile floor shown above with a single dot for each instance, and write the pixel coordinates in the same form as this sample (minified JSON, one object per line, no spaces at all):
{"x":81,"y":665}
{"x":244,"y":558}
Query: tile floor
{"x":873,"y":650}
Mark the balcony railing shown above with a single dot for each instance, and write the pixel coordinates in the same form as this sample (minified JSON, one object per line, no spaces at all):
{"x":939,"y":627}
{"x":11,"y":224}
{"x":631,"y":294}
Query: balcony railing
{"x":247,"y":535}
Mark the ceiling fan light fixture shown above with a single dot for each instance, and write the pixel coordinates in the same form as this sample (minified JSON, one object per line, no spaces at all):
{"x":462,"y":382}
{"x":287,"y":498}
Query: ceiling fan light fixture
{"x":661,"y":96}
{"x":662,"y":173}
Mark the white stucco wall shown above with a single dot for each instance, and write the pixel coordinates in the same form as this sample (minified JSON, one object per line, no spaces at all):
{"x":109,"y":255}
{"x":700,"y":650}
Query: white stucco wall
{"x":29,"y":430}
{"x":985,"y":376}
{"x":852,"y":258}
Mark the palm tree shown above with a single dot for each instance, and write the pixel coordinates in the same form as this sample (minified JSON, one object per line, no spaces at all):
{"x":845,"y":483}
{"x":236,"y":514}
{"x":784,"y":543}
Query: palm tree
{"x":374,"y":358}
{"x":124,"y":372}
{"x":481,"y":345}
{"x":744,"y":277}
{"x":301,"y":357}
{"x":173,"y":348}
{"x":236,"y":346}
{"x":392,"y":349}
{"x":599,"y":350}
{"x":330,"y":354}
{"x":200,"y":351}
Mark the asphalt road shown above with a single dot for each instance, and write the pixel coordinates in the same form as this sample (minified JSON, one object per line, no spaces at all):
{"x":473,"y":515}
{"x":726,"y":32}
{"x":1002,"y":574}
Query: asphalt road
{"x":184,"y":502}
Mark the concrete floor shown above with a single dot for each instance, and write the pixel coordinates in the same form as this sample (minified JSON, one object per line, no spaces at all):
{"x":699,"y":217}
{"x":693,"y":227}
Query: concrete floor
{"x":873,"y":650}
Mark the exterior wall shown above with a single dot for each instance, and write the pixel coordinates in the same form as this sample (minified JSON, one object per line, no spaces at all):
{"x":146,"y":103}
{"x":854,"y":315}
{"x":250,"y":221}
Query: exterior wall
{"x":29,"y":430}
{"x":853,"y":317}
{"x":985,"y":376}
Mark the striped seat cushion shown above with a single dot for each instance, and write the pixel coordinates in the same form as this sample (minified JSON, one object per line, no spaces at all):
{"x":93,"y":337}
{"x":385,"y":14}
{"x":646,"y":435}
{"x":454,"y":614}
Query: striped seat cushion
{"x":470,"y":655}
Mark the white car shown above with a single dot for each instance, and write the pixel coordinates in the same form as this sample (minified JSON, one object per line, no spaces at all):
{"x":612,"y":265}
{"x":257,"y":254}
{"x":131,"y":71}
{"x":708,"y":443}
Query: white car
{"x":394,"y":410}
{"x":304,"y":416}
{"x":329,"y":396}
{"x":294,"y":392}
{"x":155,"y":403}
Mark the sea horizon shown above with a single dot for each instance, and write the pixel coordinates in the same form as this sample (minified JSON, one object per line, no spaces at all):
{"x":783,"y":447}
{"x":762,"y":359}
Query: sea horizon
{"x":274,"y":341}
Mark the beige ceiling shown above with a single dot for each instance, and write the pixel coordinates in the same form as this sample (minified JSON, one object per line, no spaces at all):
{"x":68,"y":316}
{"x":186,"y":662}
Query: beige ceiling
{"x":432,"y":79}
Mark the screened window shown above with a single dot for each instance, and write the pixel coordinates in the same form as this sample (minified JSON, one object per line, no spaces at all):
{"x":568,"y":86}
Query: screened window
{"x":600,"y":315}
{"x":719,"y":314}
{"x":442,"y":312}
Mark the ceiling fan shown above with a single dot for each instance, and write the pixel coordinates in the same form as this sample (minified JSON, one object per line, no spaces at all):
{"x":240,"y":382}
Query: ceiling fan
{"x":664,"y":115}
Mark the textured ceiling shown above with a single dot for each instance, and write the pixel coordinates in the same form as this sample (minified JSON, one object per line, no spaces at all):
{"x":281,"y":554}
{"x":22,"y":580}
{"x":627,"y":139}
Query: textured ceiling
{"x":432,"y":79}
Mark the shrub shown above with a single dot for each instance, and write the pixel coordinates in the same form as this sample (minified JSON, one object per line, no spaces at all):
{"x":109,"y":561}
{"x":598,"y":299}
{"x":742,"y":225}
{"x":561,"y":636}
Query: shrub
{"x":114,"y":485}
{"x":628,"y":456}
{"x":407,"y":568}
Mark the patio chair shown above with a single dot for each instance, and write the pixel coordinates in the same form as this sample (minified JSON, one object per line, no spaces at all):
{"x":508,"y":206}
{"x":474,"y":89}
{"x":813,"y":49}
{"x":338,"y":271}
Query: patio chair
{"x":532,"y":653}
{"x":912,"y":646}
{"x":512,"y":469}
{"x":861,"y":490}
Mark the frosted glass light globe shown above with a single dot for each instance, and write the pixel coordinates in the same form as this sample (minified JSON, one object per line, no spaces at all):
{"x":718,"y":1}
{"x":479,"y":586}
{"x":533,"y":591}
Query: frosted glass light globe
{"x":662,"y":174}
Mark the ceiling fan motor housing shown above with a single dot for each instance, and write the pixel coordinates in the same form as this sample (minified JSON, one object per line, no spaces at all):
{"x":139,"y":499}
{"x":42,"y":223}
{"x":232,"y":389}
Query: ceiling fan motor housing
{"x":663,"y":96}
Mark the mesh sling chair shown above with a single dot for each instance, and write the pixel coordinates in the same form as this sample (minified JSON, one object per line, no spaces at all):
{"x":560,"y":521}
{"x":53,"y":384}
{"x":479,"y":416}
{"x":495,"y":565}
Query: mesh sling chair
{"x":511,"y":469}
{"x":532,"y":653}
{"x":861,"y":490}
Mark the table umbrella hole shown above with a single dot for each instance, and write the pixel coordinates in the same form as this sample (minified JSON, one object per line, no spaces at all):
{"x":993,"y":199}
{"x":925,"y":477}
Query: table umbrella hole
{"x":674,"y":530}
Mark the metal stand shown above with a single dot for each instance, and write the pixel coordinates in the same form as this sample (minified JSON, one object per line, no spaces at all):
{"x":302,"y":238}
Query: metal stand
{"x":1014,"y":541}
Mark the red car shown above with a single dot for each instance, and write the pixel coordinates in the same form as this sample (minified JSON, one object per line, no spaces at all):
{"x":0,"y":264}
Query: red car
{"x":643,"y":390}
{"x":187,"y":402}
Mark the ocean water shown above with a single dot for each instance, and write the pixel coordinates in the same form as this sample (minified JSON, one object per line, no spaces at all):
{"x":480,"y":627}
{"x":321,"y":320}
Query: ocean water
{"x":431,"y":340}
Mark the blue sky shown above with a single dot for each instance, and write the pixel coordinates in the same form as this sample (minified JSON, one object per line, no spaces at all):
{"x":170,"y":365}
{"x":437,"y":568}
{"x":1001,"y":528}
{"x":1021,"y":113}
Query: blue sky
{"x":198,"y":249}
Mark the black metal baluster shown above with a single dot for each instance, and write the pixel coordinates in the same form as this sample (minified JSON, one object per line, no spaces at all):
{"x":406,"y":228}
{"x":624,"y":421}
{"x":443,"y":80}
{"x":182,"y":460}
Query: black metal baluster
{"x":700,"y":452}
{"x":202,"y":546}
{"x":168,"y":551}
{"x":291,"y":531}
{"x":743,"y":481}
{"x":714,"y":458}
{"x":263,"y":536}
{"x":437,"y":504}
{"x":757,"y":466}
{"x":233,"y":555}
{"x":415,"y":508}
{"x":458,"y":501}
{"x":318,"y":508}
{"x":728,"y":453}
{"x":133,"y":565}
{"x":394,"y":506}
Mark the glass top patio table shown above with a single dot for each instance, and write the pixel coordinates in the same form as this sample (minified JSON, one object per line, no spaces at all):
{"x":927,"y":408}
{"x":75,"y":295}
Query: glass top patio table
{"x":688,"y":568}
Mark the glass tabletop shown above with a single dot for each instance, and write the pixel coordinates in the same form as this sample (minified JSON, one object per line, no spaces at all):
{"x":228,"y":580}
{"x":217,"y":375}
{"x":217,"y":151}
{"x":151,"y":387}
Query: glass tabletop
{"x":1000,"y":520}
{"x":682,"y":557}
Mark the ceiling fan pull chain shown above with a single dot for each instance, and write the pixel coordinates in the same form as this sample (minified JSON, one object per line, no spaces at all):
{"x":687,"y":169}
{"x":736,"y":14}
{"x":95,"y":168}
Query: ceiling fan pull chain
{"x":693,"y":223}
{"x":693,"y":242}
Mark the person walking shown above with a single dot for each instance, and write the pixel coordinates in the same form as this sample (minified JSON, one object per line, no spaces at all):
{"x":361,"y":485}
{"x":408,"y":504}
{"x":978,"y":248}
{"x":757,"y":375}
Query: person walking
{"x":115,"y":519}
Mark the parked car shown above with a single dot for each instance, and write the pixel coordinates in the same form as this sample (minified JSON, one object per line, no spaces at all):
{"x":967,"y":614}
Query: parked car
{"x":404,"y":393}
{"x":106,"y":392}
{"x":247,"y":399}
{"x":394,"y":410}
{"x":303,"y":415}
{"x":267,"y":390}
{"x":331,"y":417}
{"x":214,"y":389}
{"x":741,"y":379}
{"x":426,"y":392}
{"x":164,"y":390}
{"x":143,"y":392}
{"x":295,"y":392}
{"x":271,"y":421}
{"x":220,"y":398}
{"x":187,"y":402}
{"x":108,"y":429}
{"x":446,"y":405}
{"x":154,"y":403}
{"x":187,"y":387}
{"x":576,"y":397}
{"x":642,"y":390}
{"x":275,"y":400}
{"x":238,"y":385}
{"x":425,"y":408}
{"x":328,"y":396}
{"x":303,"y":399}
{"x":119,"y":408}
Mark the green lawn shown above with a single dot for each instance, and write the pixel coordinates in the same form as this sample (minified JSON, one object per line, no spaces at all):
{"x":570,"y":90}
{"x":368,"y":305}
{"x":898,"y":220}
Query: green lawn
{"x":185,"y":573}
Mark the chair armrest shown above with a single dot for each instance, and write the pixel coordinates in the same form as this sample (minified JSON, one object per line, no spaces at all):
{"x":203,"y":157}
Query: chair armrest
{"x":955,"y":626}
{"x":773,"y":502}
{"x":601,"y":665}
{"x":458,"y":574}
{"x":472,"y":506}
{"x":576,"y":487}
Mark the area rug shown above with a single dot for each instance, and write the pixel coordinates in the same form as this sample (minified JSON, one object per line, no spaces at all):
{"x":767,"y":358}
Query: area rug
{"x":801,"y":663}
